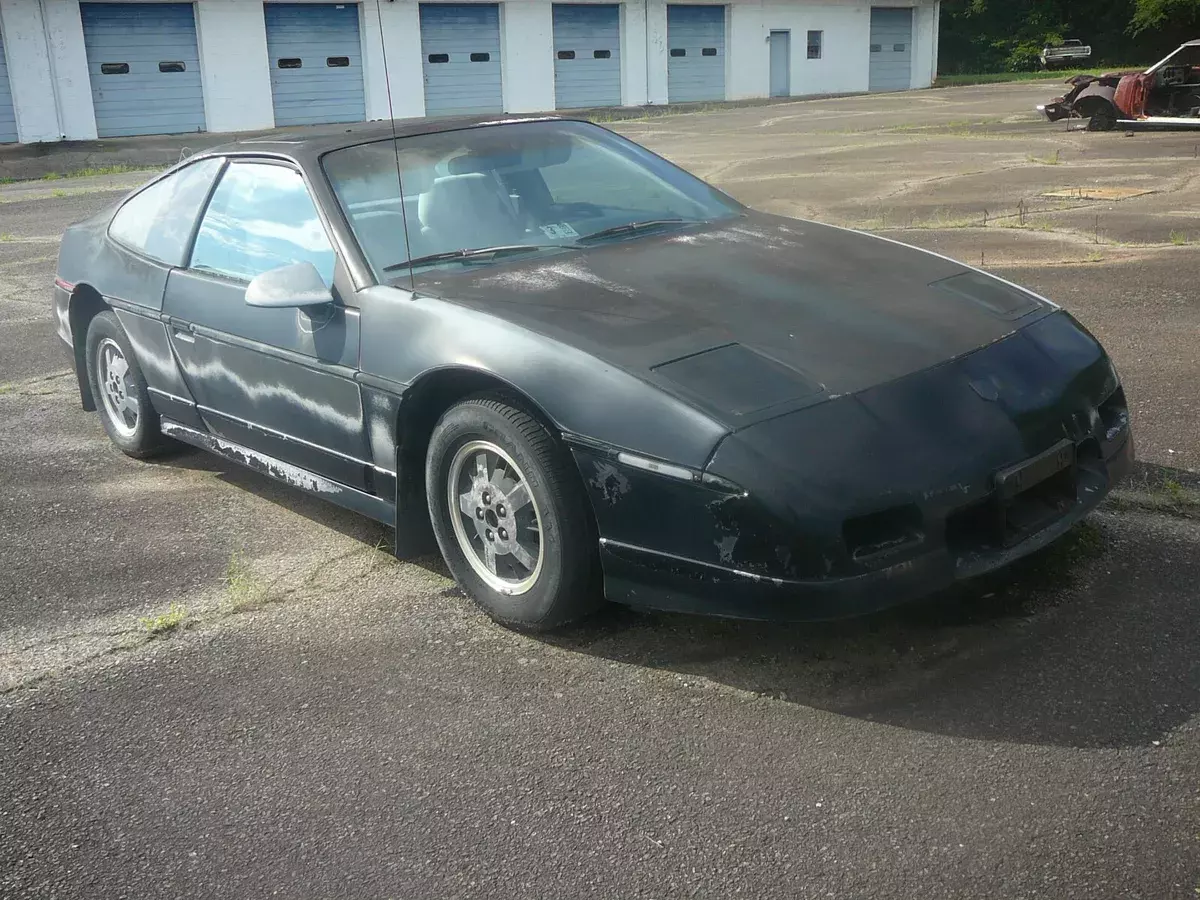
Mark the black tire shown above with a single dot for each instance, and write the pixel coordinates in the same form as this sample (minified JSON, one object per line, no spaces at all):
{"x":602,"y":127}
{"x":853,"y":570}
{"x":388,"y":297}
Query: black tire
{"x":1102,"y":120}
{"x":565,"y":587}
{"x":145,"y":437}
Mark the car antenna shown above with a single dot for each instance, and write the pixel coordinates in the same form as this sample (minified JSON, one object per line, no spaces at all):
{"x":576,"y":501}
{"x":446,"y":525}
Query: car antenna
{"x":387,"y":80}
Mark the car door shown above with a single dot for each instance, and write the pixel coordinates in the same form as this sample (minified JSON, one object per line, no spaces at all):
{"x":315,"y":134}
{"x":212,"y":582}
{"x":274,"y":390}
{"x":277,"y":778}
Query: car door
{"x":276,"y":381}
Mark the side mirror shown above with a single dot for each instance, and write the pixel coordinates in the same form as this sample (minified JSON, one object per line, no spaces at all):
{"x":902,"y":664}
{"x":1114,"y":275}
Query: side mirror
{"x":296,"y":285}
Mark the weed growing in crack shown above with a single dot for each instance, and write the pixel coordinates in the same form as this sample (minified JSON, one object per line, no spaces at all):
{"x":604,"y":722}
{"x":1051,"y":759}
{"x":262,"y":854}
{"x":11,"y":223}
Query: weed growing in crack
{"x":164,"y":623}
{"x":1053,"y":159}
{"x":243,"y":588}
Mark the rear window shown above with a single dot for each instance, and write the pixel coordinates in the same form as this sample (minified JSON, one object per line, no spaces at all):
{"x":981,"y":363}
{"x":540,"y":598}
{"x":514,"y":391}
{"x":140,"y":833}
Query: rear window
{"x":158,"y":221}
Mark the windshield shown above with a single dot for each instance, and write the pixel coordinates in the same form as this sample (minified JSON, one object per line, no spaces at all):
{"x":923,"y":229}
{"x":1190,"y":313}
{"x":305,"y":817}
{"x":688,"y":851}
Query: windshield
{"x":545,"y":186}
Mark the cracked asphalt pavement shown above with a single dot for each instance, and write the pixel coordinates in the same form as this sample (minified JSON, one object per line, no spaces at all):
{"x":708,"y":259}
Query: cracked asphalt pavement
{"x":325,"y":721}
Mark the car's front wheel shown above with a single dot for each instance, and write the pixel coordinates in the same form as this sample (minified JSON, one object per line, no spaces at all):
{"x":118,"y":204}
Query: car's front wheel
{"x":510,"y":515}
{"x":119,"y":389}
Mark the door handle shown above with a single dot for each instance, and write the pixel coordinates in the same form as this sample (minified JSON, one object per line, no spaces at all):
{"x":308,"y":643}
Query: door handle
{"x":184,"y":335}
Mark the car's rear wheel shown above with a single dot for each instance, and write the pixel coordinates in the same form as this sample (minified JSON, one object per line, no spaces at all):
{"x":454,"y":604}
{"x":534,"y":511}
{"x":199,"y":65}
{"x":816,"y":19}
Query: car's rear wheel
{"x":1102,"y":120}
{"x":510,"y":515}
{"x":119,"y":389}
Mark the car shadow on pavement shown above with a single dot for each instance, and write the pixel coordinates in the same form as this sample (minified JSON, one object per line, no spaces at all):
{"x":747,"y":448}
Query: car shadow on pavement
{"x":313,"y":508}
{"x":1090,"y":643}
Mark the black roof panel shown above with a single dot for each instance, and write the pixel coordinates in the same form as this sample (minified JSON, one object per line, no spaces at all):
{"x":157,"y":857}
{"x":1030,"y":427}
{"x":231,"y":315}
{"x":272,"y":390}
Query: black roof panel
{"x":313,"y":141}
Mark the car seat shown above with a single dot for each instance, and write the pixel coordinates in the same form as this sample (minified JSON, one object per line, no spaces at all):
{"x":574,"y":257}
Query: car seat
{"x":466,"y":211}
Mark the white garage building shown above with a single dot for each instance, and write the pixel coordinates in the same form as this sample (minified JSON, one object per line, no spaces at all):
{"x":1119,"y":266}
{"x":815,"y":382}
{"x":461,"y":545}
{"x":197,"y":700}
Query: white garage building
{"x":77,"y":70}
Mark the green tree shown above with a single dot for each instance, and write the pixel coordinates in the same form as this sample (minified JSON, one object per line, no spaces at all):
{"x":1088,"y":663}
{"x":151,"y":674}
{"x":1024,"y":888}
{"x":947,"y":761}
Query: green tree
{"x":993,"y":35}
{"x":1159,"y":14}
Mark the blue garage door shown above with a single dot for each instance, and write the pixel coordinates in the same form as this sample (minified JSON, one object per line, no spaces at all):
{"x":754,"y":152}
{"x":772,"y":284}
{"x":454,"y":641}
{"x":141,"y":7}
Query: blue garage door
{"x":460,"y":48}
{"x":144,"y":66}
{"x":587,"y":55}
{"x":695,"y":53}
{"x":316,"y":63}
{"x":8,"y":119}
{"x":891,"y":49}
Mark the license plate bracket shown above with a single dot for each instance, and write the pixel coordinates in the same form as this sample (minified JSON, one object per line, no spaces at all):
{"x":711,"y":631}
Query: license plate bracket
{"x":1028,"y":474}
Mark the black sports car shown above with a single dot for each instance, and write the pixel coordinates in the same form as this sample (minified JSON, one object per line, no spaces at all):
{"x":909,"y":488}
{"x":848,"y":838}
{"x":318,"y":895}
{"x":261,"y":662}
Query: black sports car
{"x":587,"y":372}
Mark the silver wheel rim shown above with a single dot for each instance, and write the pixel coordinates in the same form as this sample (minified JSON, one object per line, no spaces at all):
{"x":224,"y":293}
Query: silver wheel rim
{"x":116,"y":388}
{"x":496,"y":519}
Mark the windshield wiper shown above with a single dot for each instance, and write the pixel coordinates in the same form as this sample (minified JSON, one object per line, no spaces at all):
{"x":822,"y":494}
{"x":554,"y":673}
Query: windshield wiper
{"x":633,"y":227}
{"x":473,"y":253}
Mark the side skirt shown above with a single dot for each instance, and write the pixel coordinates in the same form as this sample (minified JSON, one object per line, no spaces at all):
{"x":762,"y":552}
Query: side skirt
{"x":366,"y":504}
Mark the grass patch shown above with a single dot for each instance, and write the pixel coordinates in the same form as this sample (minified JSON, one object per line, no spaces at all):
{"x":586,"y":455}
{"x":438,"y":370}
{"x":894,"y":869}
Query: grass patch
{"x":164,"y":623}
{"x":60,"y":193}
{"x":1162,"y":495}
{"x":1054,"y":159}
{"x":1006,"y":77}
{"x":938,"y":220}
{"x":243,"y":589}
{"x":118,"y":169}
{"x":7,"y":389}
{"x":955,"y":127}
{"x":6,"y":238}
{"x":646,"y":113}
{"x":1024,"y":226}
{"x":1175,"y":491}
{"x":1179,"y":238}
{"x":89,"y":171}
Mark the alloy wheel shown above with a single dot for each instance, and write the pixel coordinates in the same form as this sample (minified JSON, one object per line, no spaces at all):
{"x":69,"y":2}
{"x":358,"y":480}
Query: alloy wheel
{"x":495,"y":517}
{"x":116,"y":388}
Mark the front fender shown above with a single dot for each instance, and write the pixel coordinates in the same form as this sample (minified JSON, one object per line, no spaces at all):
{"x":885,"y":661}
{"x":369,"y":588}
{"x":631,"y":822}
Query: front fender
{"x":1095,"y":98}
{"x":404,"y":338}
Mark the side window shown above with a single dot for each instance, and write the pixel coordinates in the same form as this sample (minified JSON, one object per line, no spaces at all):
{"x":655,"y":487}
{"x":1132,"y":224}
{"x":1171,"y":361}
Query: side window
{"x":159,"y":221}
{"x":261,"y":217}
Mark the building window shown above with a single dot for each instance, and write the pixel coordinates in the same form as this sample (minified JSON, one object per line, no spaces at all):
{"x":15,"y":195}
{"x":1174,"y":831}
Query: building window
{"x":114,"y":68}
{"x":709,"y":51}
{"x":337,"y":62}
{"x":601,"y":54}
{"x":877,"y":48}
{"x":899,"y":48}
{"x":679,"y":51}
{"x":172,"y":66}
{"x":290,"y":62}
{"x":481,"y":57}
{"x":566,"y":54}
{"x":815,"y":40}
{"x":439,"y":57}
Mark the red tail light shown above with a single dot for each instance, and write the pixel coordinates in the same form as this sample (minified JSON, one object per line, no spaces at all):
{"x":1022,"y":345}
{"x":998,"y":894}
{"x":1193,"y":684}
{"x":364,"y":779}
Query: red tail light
{"x":65,"y":285}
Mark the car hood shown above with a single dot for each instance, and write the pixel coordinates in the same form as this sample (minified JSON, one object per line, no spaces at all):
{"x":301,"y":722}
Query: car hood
{"x":754,"y":316}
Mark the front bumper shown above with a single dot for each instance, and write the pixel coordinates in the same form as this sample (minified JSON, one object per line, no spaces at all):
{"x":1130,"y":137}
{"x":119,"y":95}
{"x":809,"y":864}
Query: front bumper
{"x":1056,"y":110}
{"x":651,"y":579}
{"x":876,"y":498}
